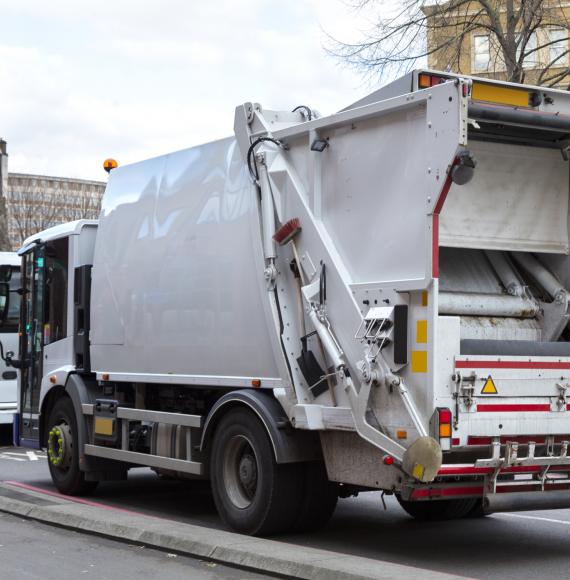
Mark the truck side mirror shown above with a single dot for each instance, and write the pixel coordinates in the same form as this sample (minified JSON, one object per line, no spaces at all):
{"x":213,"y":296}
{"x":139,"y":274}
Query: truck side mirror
{"x":4,"y":301}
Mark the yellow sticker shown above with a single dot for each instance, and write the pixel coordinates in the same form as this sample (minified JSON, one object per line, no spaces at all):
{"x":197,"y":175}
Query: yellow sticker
{"x":418,"y":471}
{"x":421,"y":331}
{"x":419,"y":361}
{"x":489,"y":387}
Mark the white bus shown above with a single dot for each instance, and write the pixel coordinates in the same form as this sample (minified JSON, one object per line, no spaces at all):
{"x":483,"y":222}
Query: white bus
{"x":10,"y":274}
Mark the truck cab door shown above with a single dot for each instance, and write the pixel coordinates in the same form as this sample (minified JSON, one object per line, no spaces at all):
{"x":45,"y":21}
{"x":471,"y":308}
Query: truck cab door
{"x":31,"y":344}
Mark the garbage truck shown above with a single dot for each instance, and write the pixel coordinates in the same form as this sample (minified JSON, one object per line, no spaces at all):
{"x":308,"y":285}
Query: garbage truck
{"x":320,"y":306}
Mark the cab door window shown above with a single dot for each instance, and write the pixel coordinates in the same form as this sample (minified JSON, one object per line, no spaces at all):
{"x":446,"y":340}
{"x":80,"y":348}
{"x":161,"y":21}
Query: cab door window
{"x":55,"y":303}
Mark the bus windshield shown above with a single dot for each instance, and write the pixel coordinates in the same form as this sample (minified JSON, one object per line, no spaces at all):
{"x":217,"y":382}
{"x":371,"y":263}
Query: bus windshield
{"x":13,"y":316}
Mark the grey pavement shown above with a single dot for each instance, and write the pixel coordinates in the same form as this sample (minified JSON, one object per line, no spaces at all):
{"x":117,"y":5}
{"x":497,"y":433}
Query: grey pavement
{"x":36,"y":551}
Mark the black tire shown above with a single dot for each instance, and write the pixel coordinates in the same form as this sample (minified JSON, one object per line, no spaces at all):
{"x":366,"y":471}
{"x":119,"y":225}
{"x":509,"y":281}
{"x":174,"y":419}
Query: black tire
{"x":319,"y":499}
{"x":67,"y":476}
{"x":437,"y":510}
{"x":476,"y":511}
{"x":253,"y":494}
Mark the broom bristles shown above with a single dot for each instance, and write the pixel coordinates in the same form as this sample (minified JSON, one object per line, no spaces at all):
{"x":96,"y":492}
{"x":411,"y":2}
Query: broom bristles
{"x":287,"y":231}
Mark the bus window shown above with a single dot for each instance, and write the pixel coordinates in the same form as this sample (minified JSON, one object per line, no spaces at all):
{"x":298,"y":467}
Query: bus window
{"x":13,"y":316}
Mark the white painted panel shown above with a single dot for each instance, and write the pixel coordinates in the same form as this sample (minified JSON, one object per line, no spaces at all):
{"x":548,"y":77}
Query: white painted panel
{"x":517,"y":200}
{"x":374,"y":205}
{"x":176,"y":285}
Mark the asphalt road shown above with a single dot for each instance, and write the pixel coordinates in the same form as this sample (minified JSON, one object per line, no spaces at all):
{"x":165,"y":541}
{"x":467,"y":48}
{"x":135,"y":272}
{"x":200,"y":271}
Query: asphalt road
{"x":522,"y":545}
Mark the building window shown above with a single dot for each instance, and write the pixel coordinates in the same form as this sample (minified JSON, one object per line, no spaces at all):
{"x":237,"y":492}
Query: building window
{"x":530,"y":60}
{"x":558,"y":50}
{"x":481,"y":53}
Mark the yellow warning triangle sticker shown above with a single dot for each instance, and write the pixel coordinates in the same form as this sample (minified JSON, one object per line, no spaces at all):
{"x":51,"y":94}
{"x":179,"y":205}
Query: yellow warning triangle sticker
{"x":489,"y":387}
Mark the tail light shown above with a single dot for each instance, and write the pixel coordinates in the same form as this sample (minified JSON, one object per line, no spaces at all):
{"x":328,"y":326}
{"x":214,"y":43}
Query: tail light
{"x":425,"y":81}
{"x":443,"y":429}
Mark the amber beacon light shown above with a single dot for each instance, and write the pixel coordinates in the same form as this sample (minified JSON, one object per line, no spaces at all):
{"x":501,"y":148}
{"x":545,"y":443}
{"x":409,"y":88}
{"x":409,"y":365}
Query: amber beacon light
{"x":109,"y":165}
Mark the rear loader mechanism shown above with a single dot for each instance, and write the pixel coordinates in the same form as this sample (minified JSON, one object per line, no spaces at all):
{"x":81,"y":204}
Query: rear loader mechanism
{"x":358,"y":378}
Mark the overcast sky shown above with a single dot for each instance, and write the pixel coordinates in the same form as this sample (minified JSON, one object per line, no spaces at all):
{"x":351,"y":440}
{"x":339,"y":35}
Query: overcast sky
{"x":83,"y":80}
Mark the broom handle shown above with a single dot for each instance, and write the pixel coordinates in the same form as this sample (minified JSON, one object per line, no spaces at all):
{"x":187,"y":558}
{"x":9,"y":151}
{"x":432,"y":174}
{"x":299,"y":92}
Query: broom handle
{"x":302,"y":318}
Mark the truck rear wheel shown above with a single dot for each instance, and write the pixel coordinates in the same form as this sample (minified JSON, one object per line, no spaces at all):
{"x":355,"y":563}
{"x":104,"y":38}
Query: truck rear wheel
{"x":63,"y":453}
{"x":445,"y":509}
{"x":477,"y":510}
{"x":253,"y":494}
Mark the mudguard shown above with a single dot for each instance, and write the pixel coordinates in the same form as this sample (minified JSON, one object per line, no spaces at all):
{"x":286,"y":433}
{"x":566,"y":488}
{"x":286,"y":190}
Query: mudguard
{"x":289,"y":445}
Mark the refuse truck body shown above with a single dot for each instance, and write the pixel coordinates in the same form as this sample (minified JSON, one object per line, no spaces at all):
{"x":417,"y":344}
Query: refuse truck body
{"x":320,"y":306}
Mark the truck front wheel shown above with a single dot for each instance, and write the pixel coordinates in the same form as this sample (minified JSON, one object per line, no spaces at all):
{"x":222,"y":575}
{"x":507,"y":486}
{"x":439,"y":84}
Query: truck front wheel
{"x":62,"y":450}
{"x":444,"y":509}
{"x":253,"y":494}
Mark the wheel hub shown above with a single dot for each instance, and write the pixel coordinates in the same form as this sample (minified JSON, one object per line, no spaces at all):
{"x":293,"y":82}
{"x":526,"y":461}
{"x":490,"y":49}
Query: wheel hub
{"x":240,"y":472}
{"x":248,"y":471}
{"x":59,"y":445}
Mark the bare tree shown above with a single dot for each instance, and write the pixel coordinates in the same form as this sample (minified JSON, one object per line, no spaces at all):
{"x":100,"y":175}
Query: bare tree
{"x":527,"y":40}
{"x":84,"y":206}
{"x":35,"y":207}
{"x":4,"y":236}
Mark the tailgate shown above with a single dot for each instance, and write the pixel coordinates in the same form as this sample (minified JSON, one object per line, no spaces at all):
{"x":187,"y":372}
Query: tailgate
{"x":502,"y":396}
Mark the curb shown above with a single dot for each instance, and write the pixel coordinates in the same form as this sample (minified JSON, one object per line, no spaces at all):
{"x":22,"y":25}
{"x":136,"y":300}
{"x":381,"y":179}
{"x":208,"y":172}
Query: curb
{"x":256,"y":554}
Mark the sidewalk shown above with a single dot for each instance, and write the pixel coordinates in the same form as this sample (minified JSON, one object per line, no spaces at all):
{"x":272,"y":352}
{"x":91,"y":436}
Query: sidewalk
{"x":257,"y":554}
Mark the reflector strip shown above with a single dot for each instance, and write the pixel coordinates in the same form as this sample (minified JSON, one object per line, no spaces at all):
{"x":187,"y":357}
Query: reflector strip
{"x":447,"y":491}
{"x":452,"y":470}
{"x":424,"y":493}
{"x":500,"y":95}
{"x":528,"y":408}
{"x":472,"y":470}
{"x":419,"y":361}
{"x":510,"y":364}
{"x":538,"y":439}
{"x":465,"y":470}
{"x":435,"y":224}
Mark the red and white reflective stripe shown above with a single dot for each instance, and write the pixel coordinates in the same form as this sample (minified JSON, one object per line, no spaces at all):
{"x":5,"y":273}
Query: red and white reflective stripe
{"x":476,"y":490}
{"x":452,"y":470}
{"x":463,"y":469}
{"x":511,"y":364}
{"x":446,"y":491}
{"x":538,"y":439}
{"x":507,"y":408}
{"x":447,"y":470}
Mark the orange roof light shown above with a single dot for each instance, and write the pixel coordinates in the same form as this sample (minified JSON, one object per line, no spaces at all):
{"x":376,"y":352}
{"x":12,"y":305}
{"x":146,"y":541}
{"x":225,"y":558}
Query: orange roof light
{"x":109,"y":165}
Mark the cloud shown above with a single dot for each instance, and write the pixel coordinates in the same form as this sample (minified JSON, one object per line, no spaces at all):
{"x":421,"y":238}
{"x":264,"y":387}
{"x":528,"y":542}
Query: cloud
{"x":84,"y":81}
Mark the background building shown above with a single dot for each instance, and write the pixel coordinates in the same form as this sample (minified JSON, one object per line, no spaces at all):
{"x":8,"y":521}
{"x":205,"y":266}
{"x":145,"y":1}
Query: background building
{"x":464,"y":39}
{"x":37,"y":202}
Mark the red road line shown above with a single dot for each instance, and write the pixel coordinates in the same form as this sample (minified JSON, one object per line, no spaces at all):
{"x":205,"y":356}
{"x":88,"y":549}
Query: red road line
{"x":79,"y":500}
